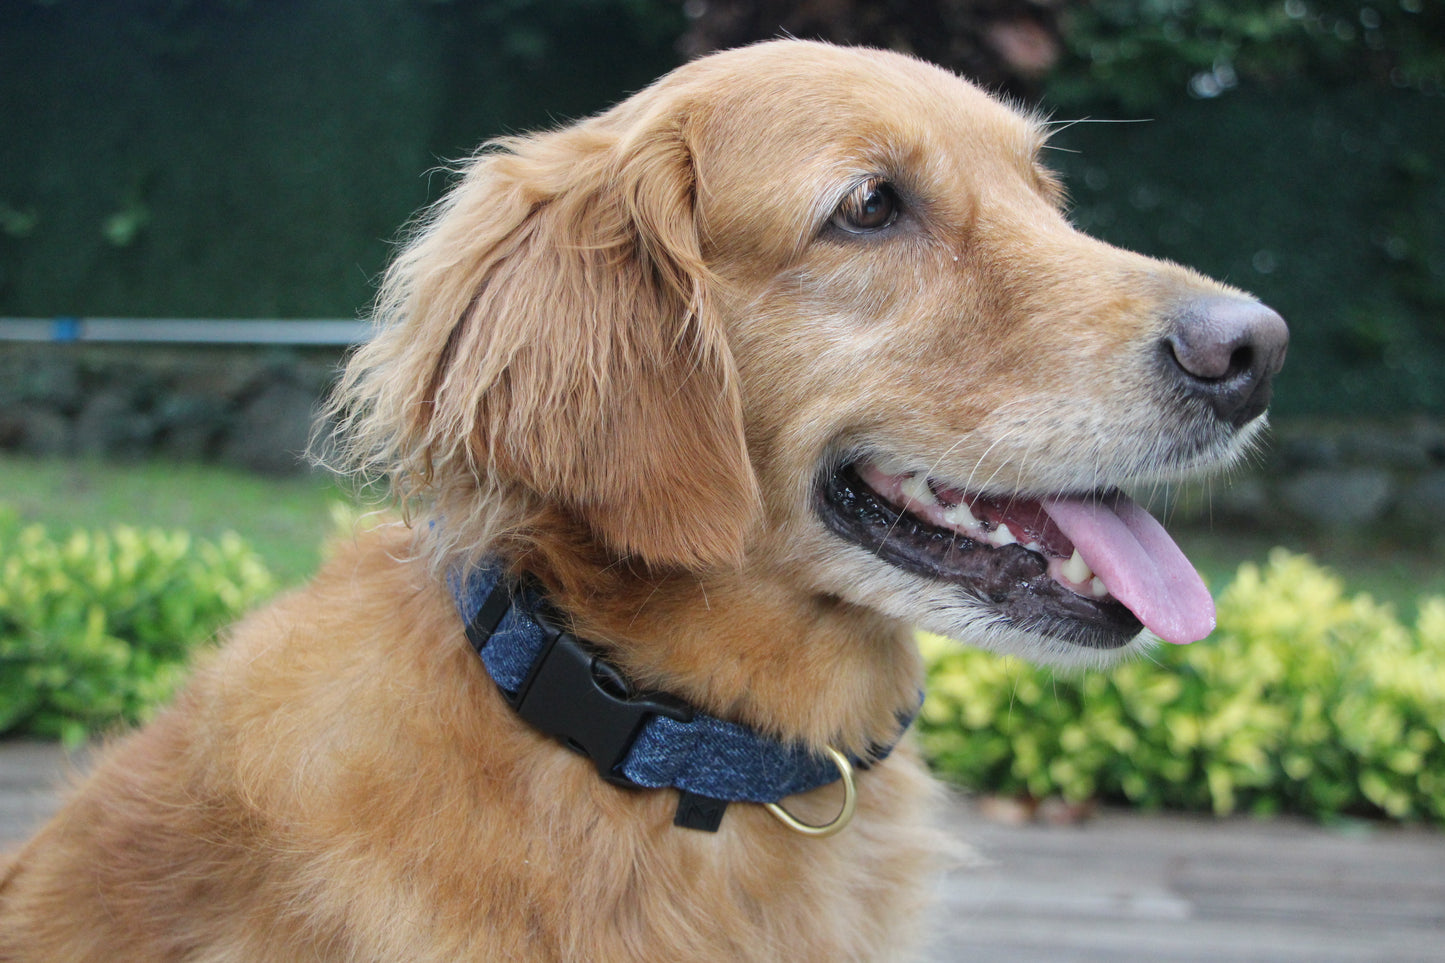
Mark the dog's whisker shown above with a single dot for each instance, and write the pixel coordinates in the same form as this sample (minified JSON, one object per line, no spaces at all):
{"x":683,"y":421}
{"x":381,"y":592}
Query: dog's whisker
{"x":983,"y":457}
{"x":1056,"y":126}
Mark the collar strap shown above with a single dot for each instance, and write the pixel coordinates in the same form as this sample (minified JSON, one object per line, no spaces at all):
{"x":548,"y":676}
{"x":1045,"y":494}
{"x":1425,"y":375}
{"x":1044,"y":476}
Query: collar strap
{"x":561,"y":686}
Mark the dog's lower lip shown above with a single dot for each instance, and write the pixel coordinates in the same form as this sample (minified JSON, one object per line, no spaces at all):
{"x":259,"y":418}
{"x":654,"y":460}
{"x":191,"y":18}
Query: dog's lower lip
{"x":1011,"y":580}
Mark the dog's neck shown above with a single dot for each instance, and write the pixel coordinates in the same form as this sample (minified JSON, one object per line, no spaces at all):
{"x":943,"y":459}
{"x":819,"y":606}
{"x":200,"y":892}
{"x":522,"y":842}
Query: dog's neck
{"x":745,"y":644}
{"x":568,"y":688}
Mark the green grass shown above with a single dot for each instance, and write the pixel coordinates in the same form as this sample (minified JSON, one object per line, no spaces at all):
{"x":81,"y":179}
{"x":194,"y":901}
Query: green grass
{"x":287,"y":520}
{"x":1393,"y":573}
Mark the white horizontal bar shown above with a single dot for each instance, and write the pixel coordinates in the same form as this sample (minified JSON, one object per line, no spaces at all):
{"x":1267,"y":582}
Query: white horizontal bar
{"x":185,"y":330}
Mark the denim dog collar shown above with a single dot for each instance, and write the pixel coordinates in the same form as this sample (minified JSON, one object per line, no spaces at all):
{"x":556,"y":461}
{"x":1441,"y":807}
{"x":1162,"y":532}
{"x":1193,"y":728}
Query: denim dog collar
{"x":562,"y":687}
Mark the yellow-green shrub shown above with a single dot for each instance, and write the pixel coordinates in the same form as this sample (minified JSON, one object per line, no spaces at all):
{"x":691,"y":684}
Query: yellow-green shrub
{"x":96,"y":627}
{"x":1305,"y":699}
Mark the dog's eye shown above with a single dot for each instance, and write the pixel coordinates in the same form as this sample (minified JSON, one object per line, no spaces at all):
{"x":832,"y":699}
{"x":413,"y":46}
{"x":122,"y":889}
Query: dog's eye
{"x":872,"y":206}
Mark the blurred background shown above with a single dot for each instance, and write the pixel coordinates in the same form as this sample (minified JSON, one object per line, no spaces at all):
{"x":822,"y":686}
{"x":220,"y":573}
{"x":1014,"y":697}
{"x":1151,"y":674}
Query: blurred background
{"x":253,"y":160}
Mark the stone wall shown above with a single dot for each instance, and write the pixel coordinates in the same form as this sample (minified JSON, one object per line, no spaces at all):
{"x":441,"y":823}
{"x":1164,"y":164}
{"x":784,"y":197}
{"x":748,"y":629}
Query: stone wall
{"x":254,"y":408}
{"x":250,"y":407}
{"x":1361,"y":476}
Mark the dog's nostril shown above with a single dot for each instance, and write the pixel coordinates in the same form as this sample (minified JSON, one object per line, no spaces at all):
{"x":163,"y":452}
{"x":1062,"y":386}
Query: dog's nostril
{"x":1241,"y":360}
{"x":1226,"y":351}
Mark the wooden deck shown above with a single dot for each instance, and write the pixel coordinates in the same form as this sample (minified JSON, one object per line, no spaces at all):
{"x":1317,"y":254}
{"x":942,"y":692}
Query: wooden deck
{"x":1127,"y":887}
{"x":1118,"y":887}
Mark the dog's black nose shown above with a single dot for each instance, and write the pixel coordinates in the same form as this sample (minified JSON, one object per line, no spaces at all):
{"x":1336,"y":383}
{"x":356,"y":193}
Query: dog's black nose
{"x":1226,"y":351}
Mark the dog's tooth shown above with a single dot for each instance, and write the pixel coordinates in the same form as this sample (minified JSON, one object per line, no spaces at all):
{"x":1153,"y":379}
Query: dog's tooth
{"x":1001,"y":536}
{"x":916,"y":488}
{"x":1097,"y":588}
{"x":1077,"y":570}
{"x":960,"y":517}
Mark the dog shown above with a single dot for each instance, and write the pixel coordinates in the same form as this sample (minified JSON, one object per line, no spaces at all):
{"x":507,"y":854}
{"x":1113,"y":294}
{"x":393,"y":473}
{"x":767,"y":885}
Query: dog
{"x":694,"y":410}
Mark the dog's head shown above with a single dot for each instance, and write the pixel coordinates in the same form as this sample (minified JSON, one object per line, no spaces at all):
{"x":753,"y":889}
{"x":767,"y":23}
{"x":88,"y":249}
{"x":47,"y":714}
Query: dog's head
{"x":821,"y":309}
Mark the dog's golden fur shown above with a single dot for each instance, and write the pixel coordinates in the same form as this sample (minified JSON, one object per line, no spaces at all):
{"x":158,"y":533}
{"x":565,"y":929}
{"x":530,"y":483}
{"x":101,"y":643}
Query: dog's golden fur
{"x":618,"y":354}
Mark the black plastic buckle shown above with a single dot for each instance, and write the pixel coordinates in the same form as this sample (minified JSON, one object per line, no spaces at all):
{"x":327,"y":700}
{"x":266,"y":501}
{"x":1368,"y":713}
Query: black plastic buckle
{"x":572,"y":694}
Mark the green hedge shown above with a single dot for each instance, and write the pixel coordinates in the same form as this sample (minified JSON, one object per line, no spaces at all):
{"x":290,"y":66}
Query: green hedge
{"x":1306,"y":699}
{"x":96,"y":627}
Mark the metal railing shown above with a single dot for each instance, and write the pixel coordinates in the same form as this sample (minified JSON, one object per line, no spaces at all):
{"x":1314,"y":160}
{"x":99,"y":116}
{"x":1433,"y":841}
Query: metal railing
{"x":186,"y":331}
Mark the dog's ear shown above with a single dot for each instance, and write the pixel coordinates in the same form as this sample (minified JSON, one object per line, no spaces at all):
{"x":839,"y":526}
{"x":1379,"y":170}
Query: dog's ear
{"x":550,"y":327}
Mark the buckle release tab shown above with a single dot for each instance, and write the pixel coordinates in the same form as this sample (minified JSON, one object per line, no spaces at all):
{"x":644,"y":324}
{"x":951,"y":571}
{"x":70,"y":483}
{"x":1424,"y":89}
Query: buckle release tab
{"x":575,"y":696}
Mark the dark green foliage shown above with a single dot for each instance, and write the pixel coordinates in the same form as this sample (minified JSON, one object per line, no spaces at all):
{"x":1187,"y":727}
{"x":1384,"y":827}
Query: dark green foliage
{"x":1294,"y":149}
{"x":223,"y":158}
{"x":1328,"y":204}
{"x":1143,"y":53}
{"x":254,"y":158}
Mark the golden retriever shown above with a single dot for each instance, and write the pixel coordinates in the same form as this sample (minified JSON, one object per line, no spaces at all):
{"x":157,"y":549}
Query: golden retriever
{"x":737,"y":383}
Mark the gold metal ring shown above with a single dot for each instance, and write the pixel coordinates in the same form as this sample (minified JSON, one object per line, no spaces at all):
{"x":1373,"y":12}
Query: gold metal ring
{"x":845,"y":815}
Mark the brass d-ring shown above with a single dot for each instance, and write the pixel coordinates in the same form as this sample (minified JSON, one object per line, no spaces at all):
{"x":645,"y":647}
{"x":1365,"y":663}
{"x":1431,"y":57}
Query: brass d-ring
{"x":845,"y":815}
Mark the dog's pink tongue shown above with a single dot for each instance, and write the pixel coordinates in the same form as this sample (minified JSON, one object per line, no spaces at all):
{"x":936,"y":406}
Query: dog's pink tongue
{"x":1139,"y":564}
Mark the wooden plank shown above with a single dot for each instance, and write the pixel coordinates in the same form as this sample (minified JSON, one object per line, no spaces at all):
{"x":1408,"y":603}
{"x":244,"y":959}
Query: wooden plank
{"x":1127,"y":887}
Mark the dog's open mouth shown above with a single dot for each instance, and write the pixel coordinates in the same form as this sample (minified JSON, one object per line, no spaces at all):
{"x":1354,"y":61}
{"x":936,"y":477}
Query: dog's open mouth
{"x":1091,"y":570}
